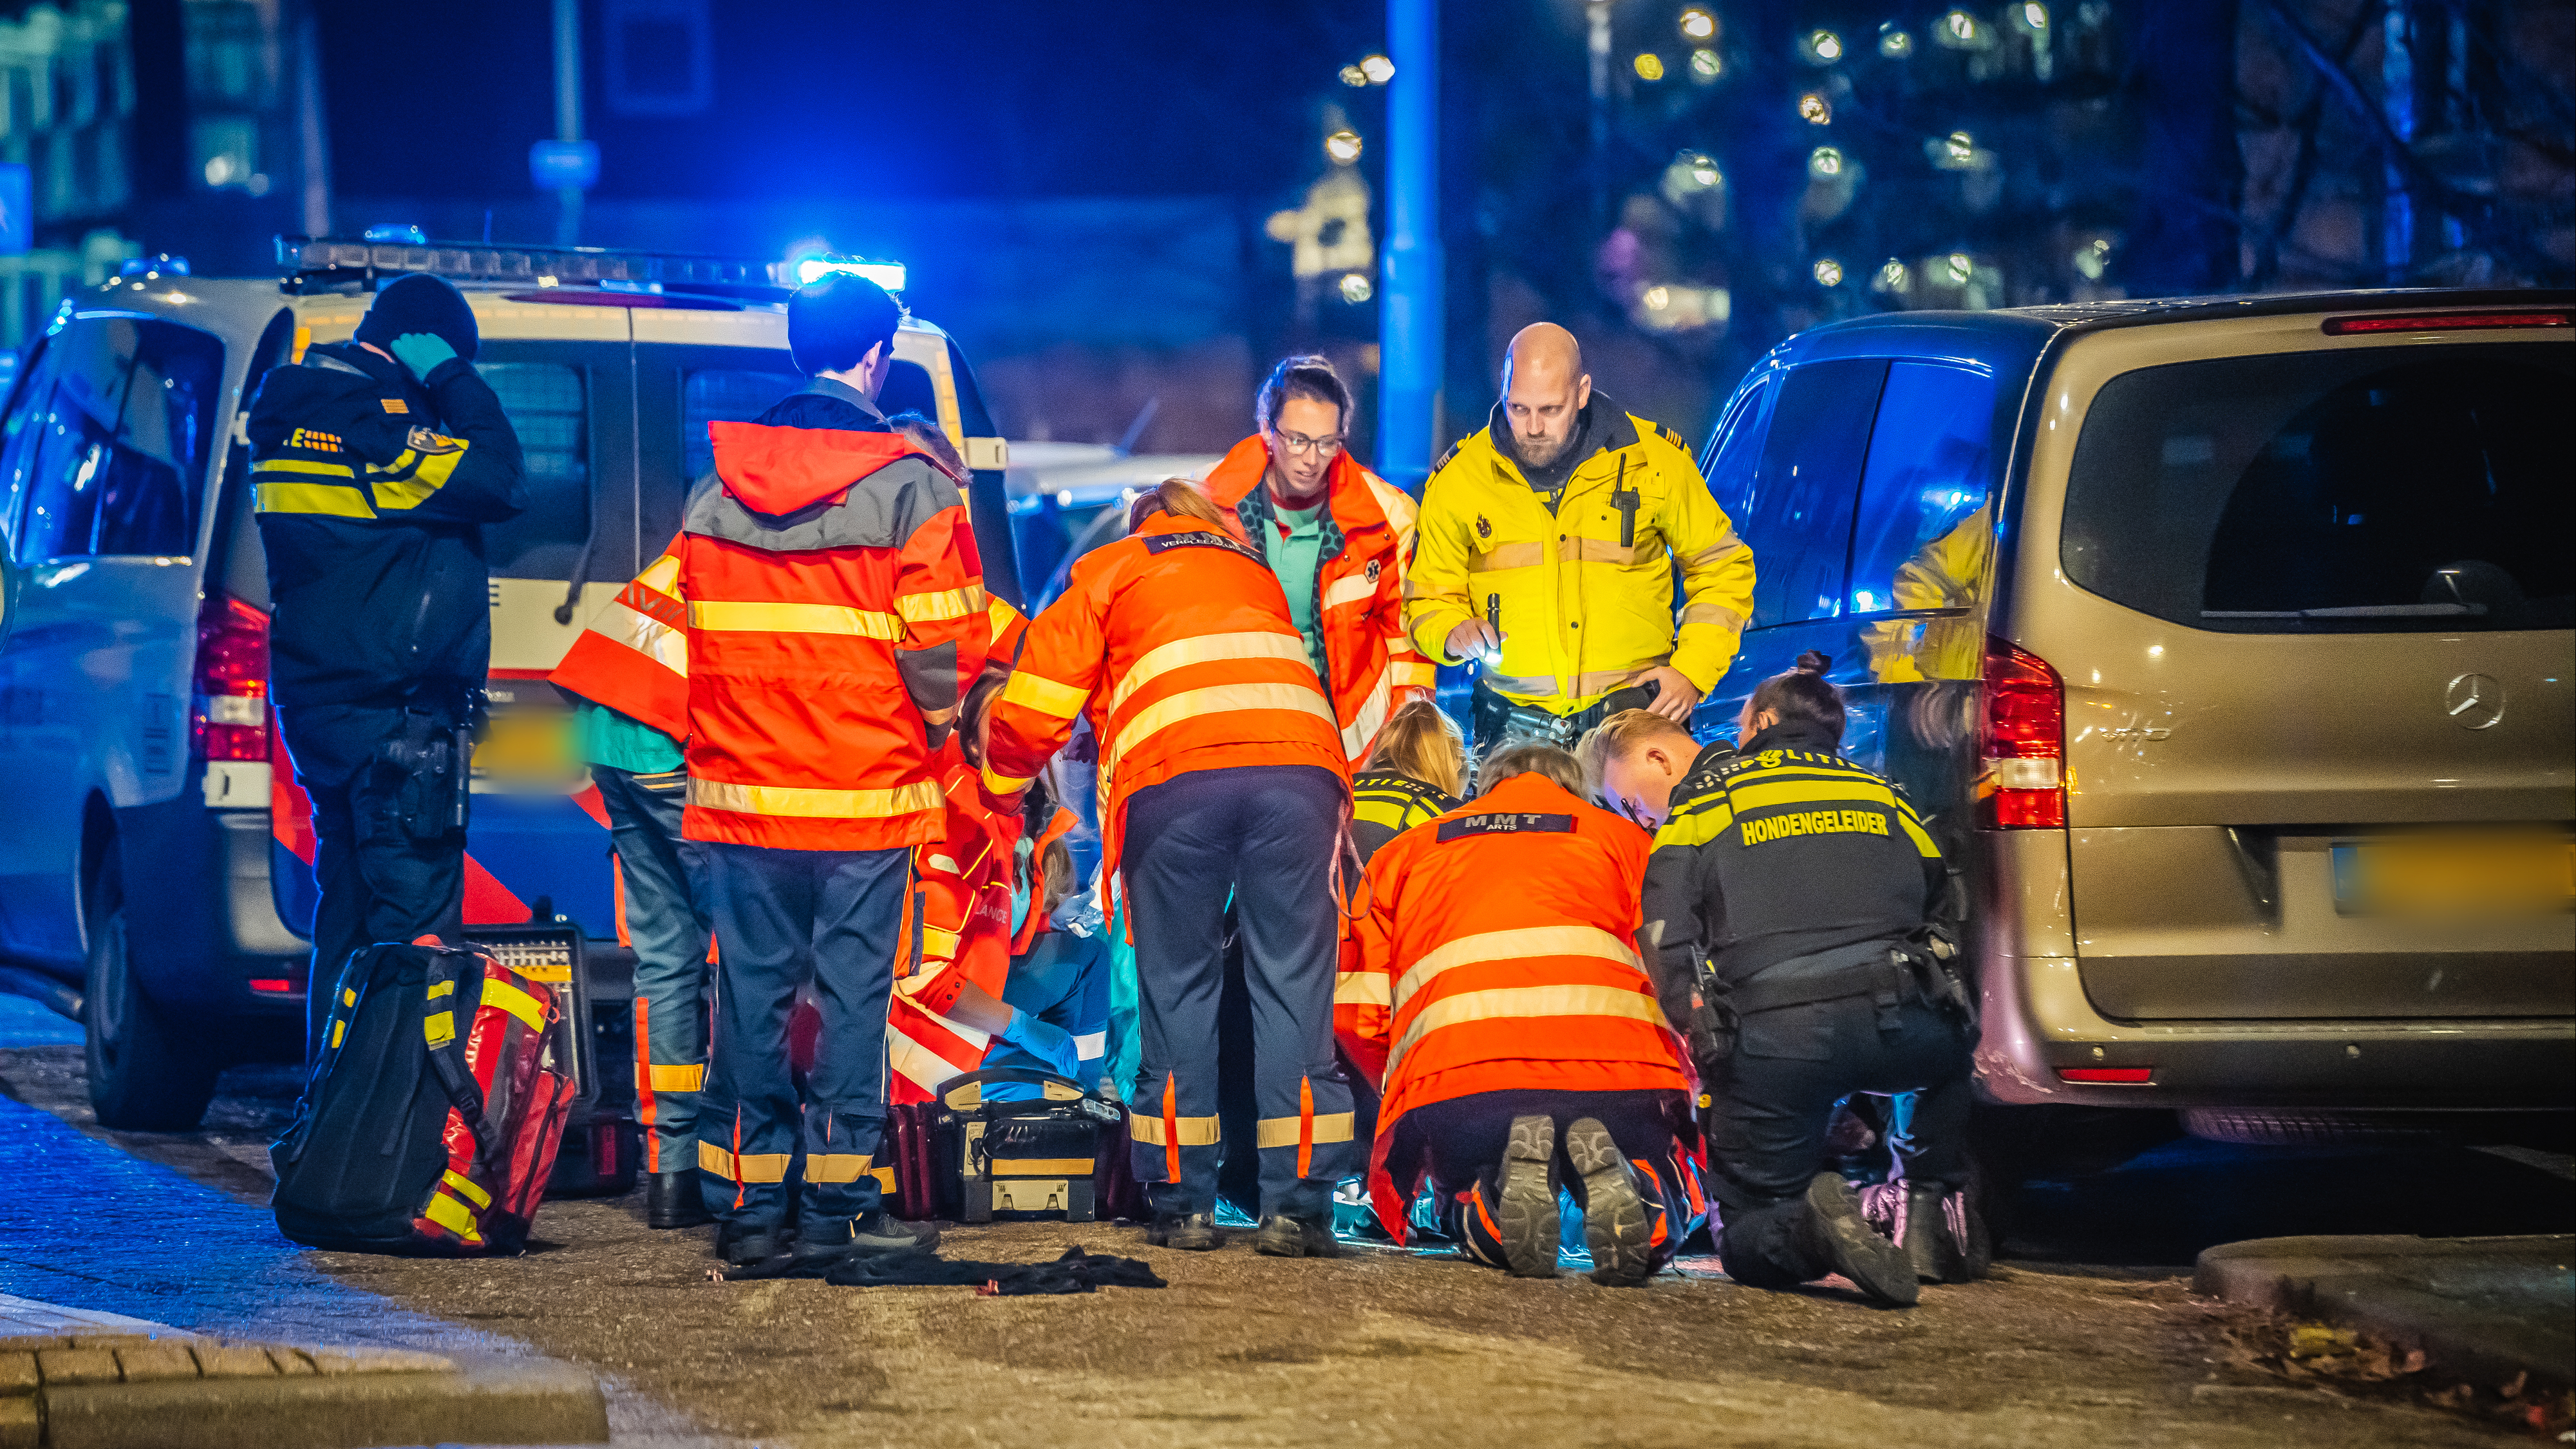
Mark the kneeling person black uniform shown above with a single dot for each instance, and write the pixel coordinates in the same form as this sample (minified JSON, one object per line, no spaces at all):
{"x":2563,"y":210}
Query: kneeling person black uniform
{"x":375,"y":463}
{"x":1813,"y":889}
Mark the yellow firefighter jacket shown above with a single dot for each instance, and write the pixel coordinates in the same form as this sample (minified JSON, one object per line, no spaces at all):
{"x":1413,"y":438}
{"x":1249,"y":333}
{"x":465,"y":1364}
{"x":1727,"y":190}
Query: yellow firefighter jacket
{"x":1585,"y":596}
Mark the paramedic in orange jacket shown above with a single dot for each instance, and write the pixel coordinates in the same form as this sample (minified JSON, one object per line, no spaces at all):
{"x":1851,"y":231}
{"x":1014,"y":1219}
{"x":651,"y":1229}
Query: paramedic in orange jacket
{"x":836,"y":617}
{"x":1339,"y":537}
{"x":955,"y":961}
{"x":1221,"y":773}
{"x":1522,"y":1041}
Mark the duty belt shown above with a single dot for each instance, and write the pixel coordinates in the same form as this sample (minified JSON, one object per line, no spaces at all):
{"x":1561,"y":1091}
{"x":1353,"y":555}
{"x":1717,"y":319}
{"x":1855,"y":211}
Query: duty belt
{"x":1888,"y":972}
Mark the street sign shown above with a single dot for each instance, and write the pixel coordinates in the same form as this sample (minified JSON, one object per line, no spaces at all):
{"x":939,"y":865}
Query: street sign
{"x":557,"y":165}
{"x":17,"y":211}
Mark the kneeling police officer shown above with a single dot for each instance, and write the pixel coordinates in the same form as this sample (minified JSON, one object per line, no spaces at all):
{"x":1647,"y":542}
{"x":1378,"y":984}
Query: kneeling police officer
{"x":375,"y":463}
{"x":1815,"y":897}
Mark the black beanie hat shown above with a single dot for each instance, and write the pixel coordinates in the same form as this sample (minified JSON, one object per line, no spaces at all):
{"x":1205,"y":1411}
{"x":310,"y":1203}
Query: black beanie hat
{"x":833,"y":320}
{"x":421,"y":303}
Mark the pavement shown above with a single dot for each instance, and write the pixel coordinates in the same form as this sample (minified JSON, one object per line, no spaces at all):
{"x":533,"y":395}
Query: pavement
{"x":2488,"y":1311}
{"x":71,"y":1379}
{"x":2089,"y":1331}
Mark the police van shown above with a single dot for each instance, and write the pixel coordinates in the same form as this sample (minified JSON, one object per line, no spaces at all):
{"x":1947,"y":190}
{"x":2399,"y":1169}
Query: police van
{"x":157,"y":855}
{"x":2228,"y":644}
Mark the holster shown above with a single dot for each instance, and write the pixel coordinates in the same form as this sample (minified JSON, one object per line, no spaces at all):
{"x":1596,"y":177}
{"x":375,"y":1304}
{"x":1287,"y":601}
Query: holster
{"x":430,"y":757}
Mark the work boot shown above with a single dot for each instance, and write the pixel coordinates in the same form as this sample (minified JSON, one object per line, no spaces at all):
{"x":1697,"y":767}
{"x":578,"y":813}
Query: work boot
{"x":1527,"y":1212}
{"x":877,"y":1232}
{"x":674,"y":1200}
{"x":1945,"y":1235}
{"x":1282,"y":1236}
{"x":1838,"y":1234}
{"x":745,"y":1243}
{"x":1189,"y":1232}
{"x":1615,"y":1224}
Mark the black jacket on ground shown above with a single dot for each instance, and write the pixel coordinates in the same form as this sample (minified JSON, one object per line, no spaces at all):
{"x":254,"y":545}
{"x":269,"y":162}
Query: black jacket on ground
{"x":372,"y":490}
{"x":1782,"y":850}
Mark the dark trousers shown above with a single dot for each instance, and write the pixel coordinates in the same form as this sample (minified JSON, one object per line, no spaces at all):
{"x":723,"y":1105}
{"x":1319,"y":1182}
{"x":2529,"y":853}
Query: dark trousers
{"x":387,"y":872}
{"x":784,"y":918}
{"x":1496,"y":722}
{"x":1463,"y":1139}
{"x":1772,"y":1101}
{"x":1263,"y":834}
{"x":667,"y":922}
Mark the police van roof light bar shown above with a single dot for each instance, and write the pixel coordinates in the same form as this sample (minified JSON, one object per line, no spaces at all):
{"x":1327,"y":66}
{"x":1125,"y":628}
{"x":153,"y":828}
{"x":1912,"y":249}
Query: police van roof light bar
{"x":327,"y":261}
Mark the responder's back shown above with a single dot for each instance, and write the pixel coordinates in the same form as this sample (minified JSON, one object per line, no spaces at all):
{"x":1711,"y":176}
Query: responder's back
{"x":1508,"y":928}
{"x":371,"y":490}
{"x":1787,"y":849}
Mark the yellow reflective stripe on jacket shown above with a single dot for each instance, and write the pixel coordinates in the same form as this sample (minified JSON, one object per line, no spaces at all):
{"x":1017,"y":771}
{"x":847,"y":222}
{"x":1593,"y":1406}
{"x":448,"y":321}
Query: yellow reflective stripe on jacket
{"x":1037,"y":692}
{"x":645,"y":635}
{"x":331,"y":500}
{"x":938,"y":943}
{"x":1205,"y":649}
{"x":676,"y":1079}
{"x":307,"y":466}
{"x":1522,"y":1002}
{"x":1697,"y":823}
{"x":464,"y":1187}
{"x":1856,"y":790}
{"x":416,"y":475}
{"x":1363,"y":988}
{"x":749,"y":1167}
{"x":816,"y":804}
{"x":1001,"y":784}
{"x":1520,"y":944}
{"x":1194,"y":1131}
{"x":943,"y":604}
{"x":717,"y":616}
{"x":516,"y":1002}
{"x":1330,"y":1127}
{"x":1922,"y":839}
{"x":1356,"y":589}
{"x":1508,"y":556}
{"x":1402,"y":675}
{"x":1215,"y":699}
{"x":662,"y":576}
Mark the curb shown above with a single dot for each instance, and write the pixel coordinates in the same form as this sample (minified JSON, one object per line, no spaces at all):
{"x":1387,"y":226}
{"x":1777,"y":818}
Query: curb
{"x":75,"y":1380}
{"x":2480,"y":1309}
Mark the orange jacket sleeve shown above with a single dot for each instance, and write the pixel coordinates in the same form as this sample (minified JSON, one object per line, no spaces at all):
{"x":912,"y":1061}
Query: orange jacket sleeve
{"x":941,"y":912}
{"x":1364,"y":991}
{"x":633,"y":656}
{"x":939,"y":595}
{"x":1062,"y":657}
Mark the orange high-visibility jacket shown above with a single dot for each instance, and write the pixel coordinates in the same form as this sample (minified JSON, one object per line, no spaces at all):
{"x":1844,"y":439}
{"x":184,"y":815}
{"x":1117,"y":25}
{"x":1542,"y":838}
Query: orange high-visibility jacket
{"x":1500,"y":945}
{"x":1359,"y":585}
{"x":956,"y":929}
{"x":1176,"y":641}
{"x":836,"y":614}
{"x":633,"y":656}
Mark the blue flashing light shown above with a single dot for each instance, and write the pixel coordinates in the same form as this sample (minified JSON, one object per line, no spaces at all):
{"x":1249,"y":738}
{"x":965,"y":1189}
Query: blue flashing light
{"x":889,"y":275}
{"x":162,"y":263}
{"x":398,"y":232}
{"x":564,"y":165}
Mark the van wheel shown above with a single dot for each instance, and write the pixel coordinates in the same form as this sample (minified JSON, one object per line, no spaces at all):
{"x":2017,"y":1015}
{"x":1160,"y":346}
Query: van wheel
{"x":142,"y":1077}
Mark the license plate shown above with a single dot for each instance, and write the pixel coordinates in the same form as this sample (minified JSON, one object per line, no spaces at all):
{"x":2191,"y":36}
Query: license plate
{"x":530,"y":749}
{"x":2455,"y":875}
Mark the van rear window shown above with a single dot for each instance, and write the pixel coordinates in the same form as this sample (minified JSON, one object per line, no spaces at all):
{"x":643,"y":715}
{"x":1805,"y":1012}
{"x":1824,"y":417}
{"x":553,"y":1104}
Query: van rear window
{"x":2358,"y":491}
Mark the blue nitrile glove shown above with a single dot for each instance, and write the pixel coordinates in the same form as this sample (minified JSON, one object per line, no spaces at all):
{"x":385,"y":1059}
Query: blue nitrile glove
{"x":422,"y":352}
{"x":1050,"y":1044}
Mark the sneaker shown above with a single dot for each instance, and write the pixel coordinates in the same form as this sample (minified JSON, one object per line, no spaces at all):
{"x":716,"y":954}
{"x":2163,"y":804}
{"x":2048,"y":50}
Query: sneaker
{"x":745,"y":1243}
{"x":674,"y":1200}
{"x":1615,"y":1226}
{"x":1527,"y":1215}
{"x":1189,"y":1232}
{"x":1843,"y":1237}
{"x":878,"y":1232}
{"x":1282,"y":1236}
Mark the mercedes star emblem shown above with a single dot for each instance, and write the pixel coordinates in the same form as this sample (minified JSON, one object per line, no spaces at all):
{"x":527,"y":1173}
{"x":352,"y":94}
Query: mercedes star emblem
{"x":2475,"y":700}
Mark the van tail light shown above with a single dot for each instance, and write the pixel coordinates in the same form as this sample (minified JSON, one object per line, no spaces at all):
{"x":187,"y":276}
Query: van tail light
{"x":2024,"y":784}
{"x":2108,"y":1076}
{"x":232,"y":681}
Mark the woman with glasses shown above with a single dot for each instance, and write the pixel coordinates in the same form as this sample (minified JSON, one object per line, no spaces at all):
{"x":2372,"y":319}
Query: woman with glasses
{"x":1339,"y":538}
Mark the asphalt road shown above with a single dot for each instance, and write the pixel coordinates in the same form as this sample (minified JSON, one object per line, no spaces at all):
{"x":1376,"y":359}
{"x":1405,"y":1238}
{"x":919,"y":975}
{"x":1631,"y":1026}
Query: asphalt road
{"x":2087,"y":1332}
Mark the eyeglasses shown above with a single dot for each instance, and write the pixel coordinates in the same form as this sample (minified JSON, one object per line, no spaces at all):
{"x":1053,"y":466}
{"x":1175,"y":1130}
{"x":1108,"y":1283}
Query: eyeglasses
{"x":1300,"y":445}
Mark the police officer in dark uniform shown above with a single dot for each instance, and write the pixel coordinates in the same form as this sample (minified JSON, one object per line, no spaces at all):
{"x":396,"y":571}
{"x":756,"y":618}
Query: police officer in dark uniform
{"x":1797,"y":903}
{"x":375,"y":462}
